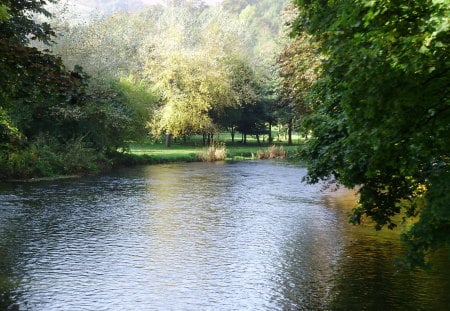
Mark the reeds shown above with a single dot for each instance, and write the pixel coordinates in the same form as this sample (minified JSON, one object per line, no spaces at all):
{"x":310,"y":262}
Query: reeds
{"x":213,"y":153}
{"x":273,"y":152}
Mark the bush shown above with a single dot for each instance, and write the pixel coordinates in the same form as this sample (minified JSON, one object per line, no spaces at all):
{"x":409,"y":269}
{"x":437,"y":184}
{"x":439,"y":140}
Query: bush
{"x":77,"y":157}
{"x":45,"y":157}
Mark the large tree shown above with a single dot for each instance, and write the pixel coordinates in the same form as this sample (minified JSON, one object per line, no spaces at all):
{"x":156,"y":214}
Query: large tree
{"x":26,"y":74}
{"x":380,"y":111}
{"x":46,"y":109}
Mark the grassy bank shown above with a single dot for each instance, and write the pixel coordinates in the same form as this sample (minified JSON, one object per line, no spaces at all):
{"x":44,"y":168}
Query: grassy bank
{"x":158,"y":153}
{"x":49,"y":159}
{"x":189,"y":150}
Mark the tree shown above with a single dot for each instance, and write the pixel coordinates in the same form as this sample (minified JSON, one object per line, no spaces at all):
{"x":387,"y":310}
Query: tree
{"x":236,"y":6}
{"x":253,"y":120}
{"x":191,"y":87}
{"x":46,"y":109}
{"x":202,"y":60}
{"x":380,"y":110}
{"x":26,"y":74}
{"x":20,"y":27}
{"x":4,"y":12}
{"x":195,"y":66}
{"x":106,"y":49}
{"x":243,"y":92}
{"x":299,"y":67}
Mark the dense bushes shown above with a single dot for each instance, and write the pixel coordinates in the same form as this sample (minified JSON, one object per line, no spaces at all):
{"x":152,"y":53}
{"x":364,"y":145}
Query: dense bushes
{"x":46,"y":157}
{"x":56,"y":121}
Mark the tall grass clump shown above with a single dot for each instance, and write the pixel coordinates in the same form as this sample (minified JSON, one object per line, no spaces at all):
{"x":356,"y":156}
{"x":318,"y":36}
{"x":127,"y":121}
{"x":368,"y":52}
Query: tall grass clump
{"x":213,"y":153}
{"x":273,"y":152}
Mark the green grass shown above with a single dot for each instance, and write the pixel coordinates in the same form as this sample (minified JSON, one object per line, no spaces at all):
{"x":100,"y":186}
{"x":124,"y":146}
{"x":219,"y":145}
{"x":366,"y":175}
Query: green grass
{"x":160,"y":151}
{"x":187,"y":151}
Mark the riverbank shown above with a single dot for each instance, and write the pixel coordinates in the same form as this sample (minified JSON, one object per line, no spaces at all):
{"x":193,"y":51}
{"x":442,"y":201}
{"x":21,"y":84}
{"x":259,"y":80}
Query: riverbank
{"x":52,"y":166}
{"x":158,"y":153}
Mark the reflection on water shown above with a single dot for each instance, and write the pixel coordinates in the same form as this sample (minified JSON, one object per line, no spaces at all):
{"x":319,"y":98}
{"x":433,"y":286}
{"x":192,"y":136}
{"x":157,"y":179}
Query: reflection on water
{"x":242,"y":236}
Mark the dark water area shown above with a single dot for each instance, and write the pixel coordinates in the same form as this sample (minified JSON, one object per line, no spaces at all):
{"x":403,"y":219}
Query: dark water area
{"x":220,"y":236}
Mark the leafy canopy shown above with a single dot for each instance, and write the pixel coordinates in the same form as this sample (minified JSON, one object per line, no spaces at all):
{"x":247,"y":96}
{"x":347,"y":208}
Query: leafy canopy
{"x":380,"y":110}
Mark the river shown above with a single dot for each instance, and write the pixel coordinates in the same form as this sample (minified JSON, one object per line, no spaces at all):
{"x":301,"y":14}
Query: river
{"x":216,"y":236}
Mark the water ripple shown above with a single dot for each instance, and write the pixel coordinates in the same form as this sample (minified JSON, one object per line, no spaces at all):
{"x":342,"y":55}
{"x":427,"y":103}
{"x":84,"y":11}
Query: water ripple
{"x":243,"y":236}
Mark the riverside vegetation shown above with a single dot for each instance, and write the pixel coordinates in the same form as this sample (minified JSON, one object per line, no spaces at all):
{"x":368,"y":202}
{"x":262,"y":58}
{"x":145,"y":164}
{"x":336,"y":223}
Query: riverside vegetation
{"x":151,"y":153}
{"x":47,"y":159}
{"x":73,"y":94}
{"x":365,"y":82}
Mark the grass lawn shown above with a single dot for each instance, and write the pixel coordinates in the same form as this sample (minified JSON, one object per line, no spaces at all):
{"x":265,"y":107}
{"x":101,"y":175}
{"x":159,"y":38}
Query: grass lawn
{"x":187,"y":152}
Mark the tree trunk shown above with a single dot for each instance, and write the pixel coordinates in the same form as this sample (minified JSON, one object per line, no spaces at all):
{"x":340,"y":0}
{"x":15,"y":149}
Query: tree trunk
{"x":168,"y":140}
{"x":208,"y":139}
{"x":290,"y":126}
{"x":270,"y":133}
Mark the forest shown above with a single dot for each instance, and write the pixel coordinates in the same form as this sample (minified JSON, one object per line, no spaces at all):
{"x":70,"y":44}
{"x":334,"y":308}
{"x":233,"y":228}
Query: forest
{"x":368,"y":82}
{"x":172,"y":70}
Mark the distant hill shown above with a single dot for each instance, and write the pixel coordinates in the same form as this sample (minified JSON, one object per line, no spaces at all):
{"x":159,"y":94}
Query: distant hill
{"x":83,"y":8}
{"x":103,"y":7}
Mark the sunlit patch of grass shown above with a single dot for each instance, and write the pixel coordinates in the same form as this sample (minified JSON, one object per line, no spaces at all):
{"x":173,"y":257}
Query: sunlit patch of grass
{"x":159,"y":153}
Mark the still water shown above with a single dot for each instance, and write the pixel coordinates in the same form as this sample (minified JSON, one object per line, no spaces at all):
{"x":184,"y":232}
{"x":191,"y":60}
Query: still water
{"x":235,"y":236}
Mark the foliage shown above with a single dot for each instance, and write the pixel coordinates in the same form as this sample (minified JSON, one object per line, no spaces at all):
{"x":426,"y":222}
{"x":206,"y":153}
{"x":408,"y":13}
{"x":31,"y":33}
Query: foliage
{"x":10,"y":136}
{"x":205,"y":63}
{"x":46,"y":157}
{"x":299,"y":67}
{"x":202,"y":74}
{"x":4,"y":12}
{"x":263,"y":23}
{"x":190,"y":87}
{"x":50,"y":116}
{"x":31,"y":81}
{"x":114,"y":113}
{"x":380,"y":111}
{"x":17,"y":24}
{"x":140,"y":101}
{"x":185,"y":67}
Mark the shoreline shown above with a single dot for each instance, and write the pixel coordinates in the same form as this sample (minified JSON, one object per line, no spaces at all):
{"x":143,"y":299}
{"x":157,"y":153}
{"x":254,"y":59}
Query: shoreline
{"x":39,"y":179}
{"x":122,"y":160}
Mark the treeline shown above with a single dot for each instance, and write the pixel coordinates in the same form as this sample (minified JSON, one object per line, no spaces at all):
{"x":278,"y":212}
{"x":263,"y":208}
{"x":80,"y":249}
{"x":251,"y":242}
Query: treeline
{"x":73,"y":93}
{"x":212,"y":68}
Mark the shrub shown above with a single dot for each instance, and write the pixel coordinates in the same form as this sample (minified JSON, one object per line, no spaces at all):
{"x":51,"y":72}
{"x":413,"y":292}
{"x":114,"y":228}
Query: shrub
{"x":77,"y":157}
{"x":46,"y":157}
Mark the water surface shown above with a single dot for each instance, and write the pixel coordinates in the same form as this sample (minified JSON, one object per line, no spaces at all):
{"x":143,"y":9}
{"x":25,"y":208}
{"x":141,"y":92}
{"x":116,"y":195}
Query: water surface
{"x":236,"y":236}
